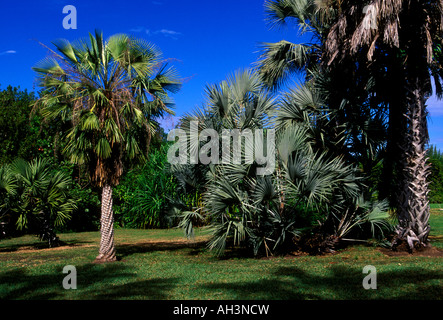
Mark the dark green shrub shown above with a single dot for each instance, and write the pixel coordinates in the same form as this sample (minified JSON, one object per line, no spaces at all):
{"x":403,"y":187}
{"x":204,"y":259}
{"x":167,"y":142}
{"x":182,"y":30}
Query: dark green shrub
{"x":86,"y":217}
{"x":35,"y":197}
{"x":143,"y":197}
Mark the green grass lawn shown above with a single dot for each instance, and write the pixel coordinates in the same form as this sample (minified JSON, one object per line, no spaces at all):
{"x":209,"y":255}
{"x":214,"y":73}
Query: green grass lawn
{"x":161,"y":264}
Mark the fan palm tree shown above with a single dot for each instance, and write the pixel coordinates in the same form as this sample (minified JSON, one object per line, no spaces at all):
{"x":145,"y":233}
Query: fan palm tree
{"x":36,"y":197}
{"x":110,"y":91}
{"x":410,"y":33}
{"x":350,"y":120}
{"x":239,"y":103}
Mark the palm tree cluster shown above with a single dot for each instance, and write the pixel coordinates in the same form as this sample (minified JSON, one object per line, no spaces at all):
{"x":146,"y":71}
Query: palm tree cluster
{"x":367,"y":74}
{"x":373,"y":61}
{"x":267,"y":212}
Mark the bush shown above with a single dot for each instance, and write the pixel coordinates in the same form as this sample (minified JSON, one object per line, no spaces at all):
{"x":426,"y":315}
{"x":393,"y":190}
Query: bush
{"x":22,"y":133}
{"x":142,"y":198}
{"x":35,"y":197}
{"x":87,"y":215}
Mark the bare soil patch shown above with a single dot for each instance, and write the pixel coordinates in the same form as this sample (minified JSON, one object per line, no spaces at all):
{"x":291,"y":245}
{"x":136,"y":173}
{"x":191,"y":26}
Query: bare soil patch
{"x":158,"y":245}
{"x":43,"y":247}
{"x":402,"y":251}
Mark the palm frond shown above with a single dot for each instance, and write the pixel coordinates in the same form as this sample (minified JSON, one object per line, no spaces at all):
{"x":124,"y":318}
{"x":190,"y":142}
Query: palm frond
{"x":278,"y":61}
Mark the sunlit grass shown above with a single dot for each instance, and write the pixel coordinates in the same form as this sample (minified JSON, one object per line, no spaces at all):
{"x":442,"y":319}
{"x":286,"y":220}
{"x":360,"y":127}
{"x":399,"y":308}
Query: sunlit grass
{"x":436,"y":222}
{"x":162,"y":264}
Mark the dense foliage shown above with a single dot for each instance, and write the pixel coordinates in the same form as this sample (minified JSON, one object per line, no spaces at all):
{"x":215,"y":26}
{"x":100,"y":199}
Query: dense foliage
{"x":35,"y":197}
{"x":143,"y":197}
{"x":21,"y":135}
{"x":436,"y":176}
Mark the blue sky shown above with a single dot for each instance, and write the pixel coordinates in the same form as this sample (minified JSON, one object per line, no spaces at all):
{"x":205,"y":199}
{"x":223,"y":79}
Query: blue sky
{"x":208,"y":39}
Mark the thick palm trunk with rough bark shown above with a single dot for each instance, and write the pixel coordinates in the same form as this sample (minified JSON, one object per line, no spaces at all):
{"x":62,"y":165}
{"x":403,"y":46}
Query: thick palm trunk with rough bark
{"x":413,"y":209}
{"x":107,"y":247}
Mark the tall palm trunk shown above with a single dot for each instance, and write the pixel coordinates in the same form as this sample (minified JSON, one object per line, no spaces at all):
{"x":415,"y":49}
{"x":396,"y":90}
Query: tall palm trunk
{"x":392,"y":165}
{"x":107,"y":247}
{"x":413,"y":209}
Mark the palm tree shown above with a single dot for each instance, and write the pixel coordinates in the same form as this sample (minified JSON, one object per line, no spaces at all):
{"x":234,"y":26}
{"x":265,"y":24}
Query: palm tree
{"x":110,"y":91}
{"x":351,"y":121}
{"x":410,"y":33}
{"x":36,"y":197}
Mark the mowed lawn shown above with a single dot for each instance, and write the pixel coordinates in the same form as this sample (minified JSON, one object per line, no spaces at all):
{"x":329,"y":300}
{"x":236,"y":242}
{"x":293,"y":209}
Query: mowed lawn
{"x":161,"y":264}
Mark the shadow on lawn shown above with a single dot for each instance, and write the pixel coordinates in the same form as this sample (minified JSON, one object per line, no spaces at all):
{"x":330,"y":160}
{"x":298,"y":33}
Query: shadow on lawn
{"x":342,"y":282}
{"x":125,"y":250}
{"x":93,"y":282}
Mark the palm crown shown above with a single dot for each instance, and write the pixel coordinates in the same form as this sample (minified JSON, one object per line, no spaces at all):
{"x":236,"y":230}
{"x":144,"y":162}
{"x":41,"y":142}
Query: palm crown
{"x":111,"y":91}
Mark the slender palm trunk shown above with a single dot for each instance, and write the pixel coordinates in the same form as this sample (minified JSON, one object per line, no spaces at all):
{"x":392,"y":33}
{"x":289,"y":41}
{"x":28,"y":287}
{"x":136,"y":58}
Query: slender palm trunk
{"x":414,"y":210}
{"x":107,"y":247}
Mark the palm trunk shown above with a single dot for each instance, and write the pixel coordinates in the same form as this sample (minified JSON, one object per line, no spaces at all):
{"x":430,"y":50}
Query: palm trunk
{"x":107,"y":247}
{"x":392,"y":170}
{"x":414,"y":210}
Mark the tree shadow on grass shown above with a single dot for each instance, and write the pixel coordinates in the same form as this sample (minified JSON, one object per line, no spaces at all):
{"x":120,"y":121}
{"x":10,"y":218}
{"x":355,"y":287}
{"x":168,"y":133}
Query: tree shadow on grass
{"x":340,"y":282}
{"x":125,"y":250}
{"x":94,"y":281}
{"x":151,"y":289}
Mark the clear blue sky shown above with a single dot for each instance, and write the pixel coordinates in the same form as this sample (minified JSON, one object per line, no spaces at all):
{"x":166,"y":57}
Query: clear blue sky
{"x":210,"y":39}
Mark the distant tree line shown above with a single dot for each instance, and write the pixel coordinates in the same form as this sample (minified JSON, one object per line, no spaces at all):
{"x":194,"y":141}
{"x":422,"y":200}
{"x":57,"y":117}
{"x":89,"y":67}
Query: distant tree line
{"x":436,"y":176}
